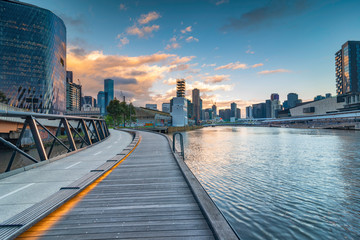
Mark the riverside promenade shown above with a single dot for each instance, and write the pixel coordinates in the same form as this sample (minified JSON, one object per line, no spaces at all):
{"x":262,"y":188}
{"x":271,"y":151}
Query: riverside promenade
{"x":147,"y":192}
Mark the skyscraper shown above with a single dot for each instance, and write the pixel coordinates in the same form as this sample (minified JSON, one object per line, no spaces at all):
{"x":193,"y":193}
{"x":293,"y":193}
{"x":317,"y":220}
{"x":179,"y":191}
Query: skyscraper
{"x":347,"y":67}
{"x":101,"y":102}
{"x":33,"y":57}
{"x":214,"y":110}
{"x":196,"y":105}
{"x":109,"y":91}
{"x":73,"y":93}
{"x":180,"y":87}
{"x":233,"y":110}
{"x":274,"y":96}
{"x":292,"y":100}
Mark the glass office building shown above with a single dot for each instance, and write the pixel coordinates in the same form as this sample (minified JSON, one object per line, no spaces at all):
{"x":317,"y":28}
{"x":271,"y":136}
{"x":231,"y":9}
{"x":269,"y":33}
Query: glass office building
{"x":109,"y":91}
{"x":347,"y":67}
{"x":32,"y":57}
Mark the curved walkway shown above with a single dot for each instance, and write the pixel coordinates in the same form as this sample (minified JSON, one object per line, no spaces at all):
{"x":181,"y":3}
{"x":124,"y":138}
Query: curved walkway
{"x":25,"y":189}
{"x":145,"y":197}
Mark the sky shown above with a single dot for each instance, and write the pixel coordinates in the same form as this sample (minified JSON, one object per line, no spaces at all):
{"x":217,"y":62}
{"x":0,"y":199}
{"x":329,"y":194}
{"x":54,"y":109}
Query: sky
{"x":232,"y":50}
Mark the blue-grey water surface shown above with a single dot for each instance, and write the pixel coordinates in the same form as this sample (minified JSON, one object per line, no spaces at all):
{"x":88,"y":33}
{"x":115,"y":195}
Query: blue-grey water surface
{"x":279,"y":183}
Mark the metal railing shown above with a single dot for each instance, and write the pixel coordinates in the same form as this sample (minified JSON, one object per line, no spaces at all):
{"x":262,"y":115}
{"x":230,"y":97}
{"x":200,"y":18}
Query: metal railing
{"x":182,"y":153}
{"x":92,"y":129}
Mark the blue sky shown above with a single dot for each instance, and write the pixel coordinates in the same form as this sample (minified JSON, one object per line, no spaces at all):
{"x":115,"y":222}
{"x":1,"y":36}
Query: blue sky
{"x":231,"y":50}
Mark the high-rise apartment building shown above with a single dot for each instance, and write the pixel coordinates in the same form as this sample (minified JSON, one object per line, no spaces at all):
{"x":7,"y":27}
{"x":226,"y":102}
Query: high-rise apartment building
{"x":214,"y":110}
{"x":292,"y":100}
{"x":196,"y":105}
{"x":90,"y":101}
{"x":274,"y":96}
{"x":238,"y":113}
{"x":33,"y":57}
{"x":180,"y":87}
{"x":101,"y":102}
{"x":249,"y":112}
{"x":73,"y":93}
{"x":233,"y":107}
{"x":347,"y":67}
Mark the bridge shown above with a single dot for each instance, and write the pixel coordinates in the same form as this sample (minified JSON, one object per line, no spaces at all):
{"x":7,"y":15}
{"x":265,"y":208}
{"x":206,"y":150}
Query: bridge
{"x":129,"y":185}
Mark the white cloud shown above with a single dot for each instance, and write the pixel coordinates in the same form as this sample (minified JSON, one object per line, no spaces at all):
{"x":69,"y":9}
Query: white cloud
{"x":265,"y":72}
{"x":216,"y":78}
{"x":172,"y":46}
{"x":143,"y":31}
{"x":238,"y":65}
{"x":192,"y":39}
{"x":146,"y":18}
{"x":233,"y":66}
{"x":188,"y":29}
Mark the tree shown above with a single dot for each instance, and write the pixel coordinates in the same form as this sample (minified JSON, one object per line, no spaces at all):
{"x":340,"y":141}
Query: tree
{"x":115,"y":110}
{"x":131,"y":114}
{"x":120,"y":112}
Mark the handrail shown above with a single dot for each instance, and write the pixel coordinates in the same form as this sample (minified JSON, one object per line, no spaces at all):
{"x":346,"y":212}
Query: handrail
{"x":182,"y":153}
{"x":88,"y":125}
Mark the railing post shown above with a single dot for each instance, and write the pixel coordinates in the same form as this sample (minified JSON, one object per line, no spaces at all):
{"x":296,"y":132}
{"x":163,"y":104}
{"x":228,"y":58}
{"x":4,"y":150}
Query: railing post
{"x":96,"y":131}
{"x":181,"y":144}
{"x":36,"y":135}
{"x":18,"y":143}
{"x":85,"y":129}
{"x":101,"y":131}
{"x":69,"y":134}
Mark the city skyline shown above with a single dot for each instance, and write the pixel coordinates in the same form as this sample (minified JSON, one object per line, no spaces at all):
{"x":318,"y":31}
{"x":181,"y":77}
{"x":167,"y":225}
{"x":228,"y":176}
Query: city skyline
{"x":242,"y":53}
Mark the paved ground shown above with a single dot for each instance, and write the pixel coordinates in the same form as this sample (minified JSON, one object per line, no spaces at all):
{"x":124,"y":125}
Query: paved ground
{"x":25,"y":189}
{"x":145,"y":197}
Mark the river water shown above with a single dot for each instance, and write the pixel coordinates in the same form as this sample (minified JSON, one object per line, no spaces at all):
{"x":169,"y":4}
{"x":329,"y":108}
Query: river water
{"x":279,"y":183}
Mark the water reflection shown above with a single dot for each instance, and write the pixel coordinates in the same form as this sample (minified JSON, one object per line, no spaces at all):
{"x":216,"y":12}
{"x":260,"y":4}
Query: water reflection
{"x":281,"y":183}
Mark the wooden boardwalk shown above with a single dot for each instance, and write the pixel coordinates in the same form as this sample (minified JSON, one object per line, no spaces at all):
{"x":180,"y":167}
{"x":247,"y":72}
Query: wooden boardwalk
{"x":146,"y":196}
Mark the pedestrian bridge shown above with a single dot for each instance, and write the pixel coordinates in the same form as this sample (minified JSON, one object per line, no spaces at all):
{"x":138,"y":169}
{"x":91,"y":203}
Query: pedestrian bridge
{"x":129,"y":186}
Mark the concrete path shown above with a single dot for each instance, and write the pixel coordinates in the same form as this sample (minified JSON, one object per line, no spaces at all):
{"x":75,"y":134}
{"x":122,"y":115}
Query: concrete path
{"x":23,"y":190}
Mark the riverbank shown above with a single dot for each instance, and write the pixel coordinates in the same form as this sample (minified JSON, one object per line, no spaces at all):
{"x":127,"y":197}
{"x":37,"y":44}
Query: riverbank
{"x":183,"y":129}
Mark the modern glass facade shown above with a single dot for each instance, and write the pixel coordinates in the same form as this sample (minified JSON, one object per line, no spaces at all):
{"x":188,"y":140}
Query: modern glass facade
{"x":32,"y":57}
{"x":347,"y":67}
{"x":109,"y":90}
{"x":101,"y":102}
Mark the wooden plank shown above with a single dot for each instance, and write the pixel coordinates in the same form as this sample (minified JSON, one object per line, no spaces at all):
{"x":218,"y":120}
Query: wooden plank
{"x":146,"y":196}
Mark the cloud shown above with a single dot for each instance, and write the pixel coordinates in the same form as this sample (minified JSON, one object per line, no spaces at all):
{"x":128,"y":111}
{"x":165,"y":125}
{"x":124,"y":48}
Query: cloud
{"x":257,"y":65}
{"x":181,"y":60}
{"x":221,"y":2}
{"x":122,"y":7}
{"x":205,"y":87}
{"x":78,"y":51}
{"x":132,"y":74}
{"x":233,"y":66}
{"x":170,"y":81}
{"x":265,"y":72}
{"x":188,"y":29}
{"x":77,"y":22}
{"x":267,"y":14}
{"x":217,"y":78}
{"x":209,"y":65}
{"x":238,"y":65}
{"x":192,"y":39}
{"x":123,"y":41}
{"x":124,"y":81}
{"x":172,"y":46}
{"x":142,"y":32}
{"x":73,"y":21}
{"x":146,"y":18}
